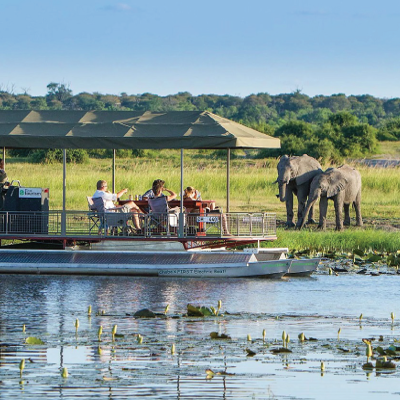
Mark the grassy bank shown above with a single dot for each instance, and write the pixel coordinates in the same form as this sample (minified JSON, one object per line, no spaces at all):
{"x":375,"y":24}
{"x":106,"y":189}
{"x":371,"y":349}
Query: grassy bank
{"x":251,"y":188}
{"x":366,"y":240}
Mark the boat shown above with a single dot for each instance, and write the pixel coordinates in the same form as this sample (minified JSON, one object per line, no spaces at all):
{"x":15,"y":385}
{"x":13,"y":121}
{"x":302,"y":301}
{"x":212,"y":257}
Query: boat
{"x":191,"y":245}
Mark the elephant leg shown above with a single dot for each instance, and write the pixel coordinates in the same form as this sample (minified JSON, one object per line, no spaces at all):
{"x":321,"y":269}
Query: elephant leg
{"x":289,"y":208}
{"x":311,"y":220}
{"x":338,"y":201}
{"x":346,"y":221}
{"x":323,"y":208}
{"x":357,"y":206}
{"x":302,"y":194}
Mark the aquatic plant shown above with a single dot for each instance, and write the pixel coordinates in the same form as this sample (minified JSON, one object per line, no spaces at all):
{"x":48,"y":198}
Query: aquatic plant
{"x":264,"y":333}
{"x":368,"y":352}
{"x":392,"y":316}
{"x":89,"y":311}
{"x":166,"y":309}
{"x":139,"y":338}
{"x":23,"y":328}
{"x":338,"y":333}
{"x":76,"y":324}
{"x":64,"y":373}
{"x":287,"y":340}
{"x":173,"y":348}
{"x":21,"y":367}
{"x":99,"y":332}
{"x":248,"y":337}
{"x":301,"y":337}
{"x":113,"y":332}
{"x":283,"y":338}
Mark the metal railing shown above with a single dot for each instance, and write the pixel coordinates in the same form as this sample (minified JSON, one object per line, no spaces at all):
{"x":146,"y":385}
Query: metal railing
{"x":100,"y":225}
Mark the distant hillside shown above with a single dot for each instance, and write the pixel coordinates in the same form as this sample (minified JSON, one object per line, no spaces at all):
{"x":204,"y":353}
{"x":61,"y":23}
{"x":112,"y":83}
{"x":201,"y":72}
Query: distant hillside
{"x":327,"y":127}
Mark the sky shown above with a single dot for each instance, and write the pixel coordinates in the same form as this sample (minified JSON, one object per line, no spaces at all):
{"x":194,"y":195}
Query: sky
{"x":202,"y":47}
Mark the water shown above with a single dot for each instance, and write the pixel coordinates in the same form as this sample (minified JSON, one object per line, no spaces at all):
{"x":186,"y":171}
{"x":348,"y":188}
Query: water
{"x":120,"y":369}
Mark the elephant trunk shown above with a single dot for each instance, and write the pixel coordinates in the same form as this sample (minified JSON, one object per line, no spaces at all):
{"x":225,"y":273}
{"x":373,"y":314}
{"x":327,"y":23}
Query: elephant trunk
{"x":282,"y":192}
{"x":312,"y":199}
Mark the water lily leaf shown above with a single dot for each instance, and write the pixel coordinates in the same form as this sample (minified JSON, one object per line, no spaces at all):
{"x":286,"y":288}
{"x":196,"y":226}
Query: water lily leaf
{"x":368,"y":365}
{"x":344,"y":349}
{"x":195,"y":311}
{"x":216,"y":335}
{"x":358,"y":252}
{"x":374,"y":258}
{"x":280,"y":350}
{"x":380,"y":350}
{"x":33,"y":340}
{"x":250,"y":352}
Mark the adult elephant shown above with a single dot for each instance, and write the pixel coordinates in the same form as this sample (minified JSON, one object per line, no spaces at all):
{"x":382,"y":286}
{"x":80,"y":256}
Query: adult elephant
{"x":294,"y":178}
{"x":343,"y":186}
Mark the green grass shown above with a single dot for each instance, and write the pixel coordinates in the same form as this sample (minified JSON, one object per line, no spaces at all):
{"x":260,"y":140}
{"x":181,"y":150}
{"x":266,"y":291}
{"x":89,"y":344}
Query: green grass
{"x":346,"y":241}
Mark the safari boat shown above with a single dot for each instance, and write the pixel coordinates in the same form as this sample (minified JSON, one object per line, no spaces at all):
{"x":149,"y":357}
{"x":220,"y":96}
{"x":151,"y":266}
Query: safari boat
{"x":46,"y":241}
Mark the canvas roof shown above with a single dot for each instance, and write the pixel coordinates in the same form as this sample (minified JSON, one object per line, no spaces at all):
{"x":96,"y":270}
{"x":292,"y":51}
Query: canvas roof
{"x":126,"y":129}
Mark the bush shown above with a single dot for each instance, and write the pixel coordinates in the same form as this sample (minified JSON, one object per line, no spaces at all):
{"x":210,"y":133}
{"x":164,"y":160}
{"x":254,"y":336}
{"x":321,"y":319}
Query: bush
{"x":49,"y":156}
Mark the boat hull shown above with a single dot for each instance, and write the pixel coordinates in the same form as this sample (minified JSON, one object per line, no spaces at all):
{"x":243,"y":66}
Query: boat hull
{"x":172,"y":264}
{"x":303,"y":267}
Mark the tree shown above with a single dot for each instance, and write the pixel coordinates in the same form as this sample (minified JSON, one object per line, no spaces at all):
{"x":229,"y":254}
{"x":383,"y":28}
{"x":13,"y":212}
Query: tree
{"x":58,"y":91}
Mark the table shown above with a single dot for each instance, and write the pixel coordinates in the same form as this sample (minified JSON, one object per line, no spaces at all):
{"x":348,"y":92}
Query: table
{"x":191,"y":204}
{"x":199,"y":205}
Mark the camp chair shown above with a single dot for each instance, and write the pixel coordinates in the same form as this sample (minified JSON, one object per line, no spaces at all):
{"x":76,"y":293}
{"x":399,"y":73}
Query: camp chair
{"x":93,"y":215}
{"x":117,"y":222}
{"x":161,"y":217}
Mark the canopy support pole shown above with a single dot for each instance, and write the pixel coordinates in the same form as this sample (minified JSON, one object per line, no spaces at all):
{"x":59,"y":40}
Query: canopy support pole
{"x":228,"y":163}
{"x":63,"y":213}
{"x":113,"y":172}
{"x":181,"y":216}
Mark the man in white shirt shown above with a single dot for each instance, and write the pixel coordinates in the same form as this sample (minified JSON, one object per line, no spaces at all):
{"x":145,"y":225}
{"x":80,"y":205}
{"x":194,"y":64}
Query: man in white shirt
{"x":108,"y":202}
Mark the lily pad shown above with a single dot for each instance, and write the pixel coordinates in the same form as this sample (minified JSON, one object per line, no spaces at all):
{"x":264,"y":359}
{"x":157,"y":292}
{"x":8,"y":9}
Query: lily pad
{"x":196,"y":311}
{"x":216,"y":335}
{"x":33,"y":340}
{"x":280,"y":350}
{"x":145,"y":313}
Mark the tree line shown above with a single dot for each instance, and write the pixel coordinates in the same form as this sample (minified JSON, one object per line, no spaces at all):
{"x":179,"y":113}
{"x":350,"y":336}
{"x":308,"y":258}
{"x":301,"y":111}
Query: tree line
{"x":326,"y":127}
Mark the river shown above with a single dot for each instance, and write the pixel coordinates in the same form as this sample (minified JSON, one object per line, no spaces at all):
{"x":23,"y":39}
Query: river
{"x":175,"y":351}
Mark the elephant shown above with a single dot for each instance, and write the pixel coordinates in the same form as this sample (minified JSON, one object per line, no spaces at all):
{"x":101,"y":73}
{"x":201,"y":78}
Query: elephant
{"x":343,"y":186}
{"x":294,"y":177}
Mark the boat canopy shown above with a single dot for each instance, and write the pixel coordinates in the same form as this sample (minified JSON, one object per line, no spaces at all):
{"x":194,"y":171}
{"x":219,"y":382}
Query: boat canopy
{"x":126,"y":130}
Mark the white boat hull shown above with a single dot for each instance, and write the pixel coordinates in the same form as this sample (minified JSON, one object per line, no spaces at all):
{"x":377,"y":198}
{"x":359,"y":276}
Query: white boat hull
{"x":303,"y":267}
{"x":173,"y":263}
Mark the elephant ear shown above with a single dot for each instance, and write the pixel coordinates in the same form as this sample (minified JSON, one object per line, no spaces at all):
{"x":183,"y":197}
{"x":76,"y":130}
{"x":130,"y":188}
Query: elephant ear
{"x":337,"y":183}
{"x":307,"y":168}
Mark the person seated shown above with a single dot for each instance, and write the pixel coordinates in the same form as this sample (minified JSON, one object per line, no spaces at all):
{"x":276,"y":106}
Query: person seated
{"x":109,"y":198}
{"x":158,"y":189}
{"x":190,"y":193}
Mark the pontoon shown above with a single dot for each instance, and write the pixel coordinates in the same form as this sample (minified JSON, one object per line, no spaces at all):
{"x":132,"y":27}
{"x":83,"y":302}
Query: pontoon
{"x":88,"y":242}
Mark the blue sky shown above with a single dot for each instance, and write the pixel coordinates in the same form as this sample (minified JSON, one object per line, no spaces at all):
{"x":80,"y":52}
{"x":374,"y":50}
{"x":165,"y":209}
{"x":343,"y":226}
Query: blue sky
{"x":220,"y":46}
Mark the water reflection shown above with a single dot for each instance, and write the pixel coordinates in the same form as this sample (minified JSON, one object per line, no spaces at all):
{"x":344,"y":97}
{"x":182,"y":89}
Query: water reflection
{"x":49,"y":305}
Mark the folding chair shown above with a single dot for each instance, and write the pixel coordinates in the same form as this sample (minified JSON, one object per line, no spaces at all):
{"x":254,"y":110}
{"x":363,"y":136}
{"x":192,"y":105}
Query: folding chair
{"x":93,"y":215}
{"x":117,"y":222}
{"x":161,"y":217}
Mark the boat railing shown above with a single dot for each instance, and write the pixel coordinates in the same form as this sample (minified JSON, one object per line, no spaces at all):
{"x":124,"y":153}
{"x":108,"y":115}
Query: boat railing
{"x":90,"y":224}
